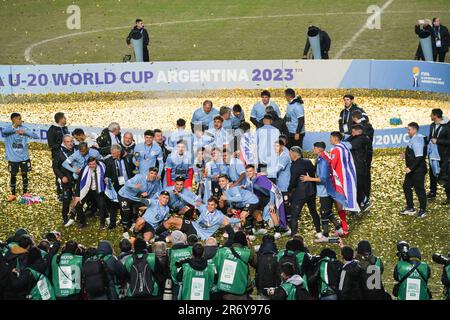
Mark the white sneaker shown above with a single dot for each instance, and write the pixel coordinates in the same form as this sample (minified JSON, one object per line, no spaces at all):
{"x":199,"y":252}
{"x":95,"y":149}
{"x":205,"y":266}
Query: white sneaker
{"x":107,"y":221}
{"x":126,"y":235}
{"x":321,"y":239}
{"x":69,"y":223}
{"x":261,"y":232}
{"x":318,"y":235}
{"x":339,"y":232}
{"x":225,"y":235}
{"x":409,"y":212}
{"x":287,"y":233}
{"x":257,"y":247}
{"x":277,"y":235}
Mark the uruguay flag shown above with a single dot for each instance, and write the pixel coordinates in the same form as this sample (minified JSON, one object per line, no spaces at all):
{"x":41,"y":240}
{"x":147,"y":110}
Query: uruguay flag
{"x":344,"y":173}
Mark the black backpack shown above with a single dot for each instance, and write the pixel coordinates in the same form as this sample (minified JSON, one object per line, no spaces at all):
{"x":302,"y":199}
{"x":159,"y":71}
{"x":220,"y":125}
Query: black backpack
{"x":291,"y":258}
{"x":95,"y":279}
{"x":302,"y":294}
{"x":266,"y":271}
{"x":141,"y":277}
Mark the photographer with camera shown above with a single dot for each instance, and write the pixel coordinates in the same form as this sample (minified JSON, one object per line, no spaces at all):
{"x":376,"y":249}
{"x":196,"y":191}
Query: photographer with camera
{"x":411,"y":274}
{"x":327,"y":274}
{"x":445,"y":278}
{"x":292,"y":286}
{"x":102,"y":273}
{"x":66,"y":272}
{"x":31,"y":283}
{"x":373,"y":288}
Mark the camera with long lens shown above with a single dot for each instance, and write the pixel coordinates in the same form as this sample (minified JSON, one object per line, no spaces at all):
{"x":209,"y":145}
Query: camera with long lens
{"x":402,"y":250}
{"x":441,"y":259}
{"x":52,"y":236}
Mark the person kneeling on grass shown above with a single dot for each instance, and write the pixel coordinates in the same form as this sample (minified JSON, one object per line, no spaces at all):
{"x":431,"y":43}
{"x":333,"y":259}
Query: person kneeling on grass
{"x":157,"y":212}
{"x":240,"y":199}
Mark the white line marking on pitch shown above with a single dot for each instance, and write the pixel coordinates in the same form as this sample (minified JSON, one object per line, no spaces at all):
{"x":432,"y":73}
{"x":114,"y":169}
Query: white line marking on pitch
{"x":360,"y":31}
{"x":28,"y":51}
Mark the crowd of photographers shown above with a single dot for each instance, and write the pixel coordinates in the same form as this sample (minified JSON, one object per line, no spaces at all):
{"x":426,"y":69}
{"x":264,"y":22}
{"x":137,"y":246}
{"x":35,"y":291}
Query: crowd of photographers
{"x":194,"y":270}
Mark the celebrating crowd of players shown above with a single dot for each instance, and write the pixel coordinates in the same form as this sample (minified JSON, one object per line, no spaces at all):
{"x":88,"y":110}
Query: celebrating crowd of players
{"x":221,"y":175}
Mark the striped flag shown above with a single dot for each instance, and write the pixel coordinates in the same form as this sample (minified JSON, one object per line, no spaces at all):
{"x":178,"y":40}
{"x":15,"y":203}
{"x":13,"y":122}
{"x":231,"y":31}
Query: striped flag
{"x":344,"y":173}
{"x":248,"y":151}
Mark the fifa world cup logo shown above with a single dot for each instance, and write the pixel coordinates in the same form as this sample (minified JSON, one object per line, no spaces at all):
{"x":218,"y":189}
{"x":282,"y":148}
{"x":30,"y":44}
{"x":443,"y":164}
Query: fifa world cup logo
{"x":416,"y":72}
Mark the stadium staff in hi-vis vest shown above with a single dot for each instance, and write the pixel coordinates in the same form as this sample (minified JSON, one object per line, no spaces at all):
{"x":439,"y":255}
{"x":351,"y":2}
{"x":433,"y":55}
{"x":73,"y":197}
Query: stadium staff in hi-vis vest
{"x":138,"y":39}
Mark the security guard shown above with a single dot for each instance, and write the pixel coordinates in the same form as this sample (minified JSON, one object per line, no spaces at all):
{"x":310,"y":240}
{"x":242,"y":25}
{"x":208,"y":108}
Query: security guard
{"x":412,"y":276}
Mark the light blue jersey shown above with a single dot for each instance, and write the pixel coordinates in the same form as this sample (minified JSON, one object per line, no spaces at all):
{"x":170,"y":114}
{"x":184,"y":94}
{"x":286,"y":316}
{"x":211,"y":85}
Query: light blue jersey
{"x":294,"y":110}
{"x":266,"y":136}
{"x":182,"y":199}
{"x":220,"y":137}
{"x":417,"y":144}
{"x":280,"y":168}
{"x":259,"y":110}
{"x":235,"y":169}
{"x":208,"y":222}
{"x":200,"y":117}
{"x":156,"y":213}
{"x":177,"y":135}
{"x":178,"y":165}
{"x":77,"y":161}
{"x":240,"y":198}
{"x":147,"y":157}
{"x":16,"y":145}
{"x":129,"y":191}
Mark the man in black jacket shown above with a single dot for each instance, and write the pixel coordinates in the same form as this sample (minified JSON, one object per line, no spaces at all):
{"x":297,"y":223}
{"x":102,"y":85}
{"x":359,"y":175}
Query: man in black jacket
{"x":373,"y":268}
{"x":277,"y":122}
{"x":345,"y":117}
{"x":139,"y":28}
{"x":64,"y":177}
{"x":56,"y":132}
{"x":302,"y":192}
{"x":418,"y":28}
{"x":440,"y":135}
{"x":442,"y":40}
{"x":352,"y":277}
{"x":119,"y":170}
{"x":109,"y":137}
{"x":325,"y":43}
{"x":358,"y":118}
{"x":360,"y":147}
{"x":326,"y":275}
{"x":55,"y":135}
{"x":415,"y":171}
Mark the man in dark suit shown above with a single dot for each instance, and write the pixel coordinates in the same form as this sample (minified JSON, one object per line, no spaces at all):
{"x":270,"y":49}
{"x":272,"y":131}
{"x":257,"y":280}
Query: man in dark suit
{"x":345,"y":117}
{"x":119,"y":170}
{"x":442,"y":40}
{"x":440,"y":135}
{"x":302,"y":192}
{"x":360,"y":147}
